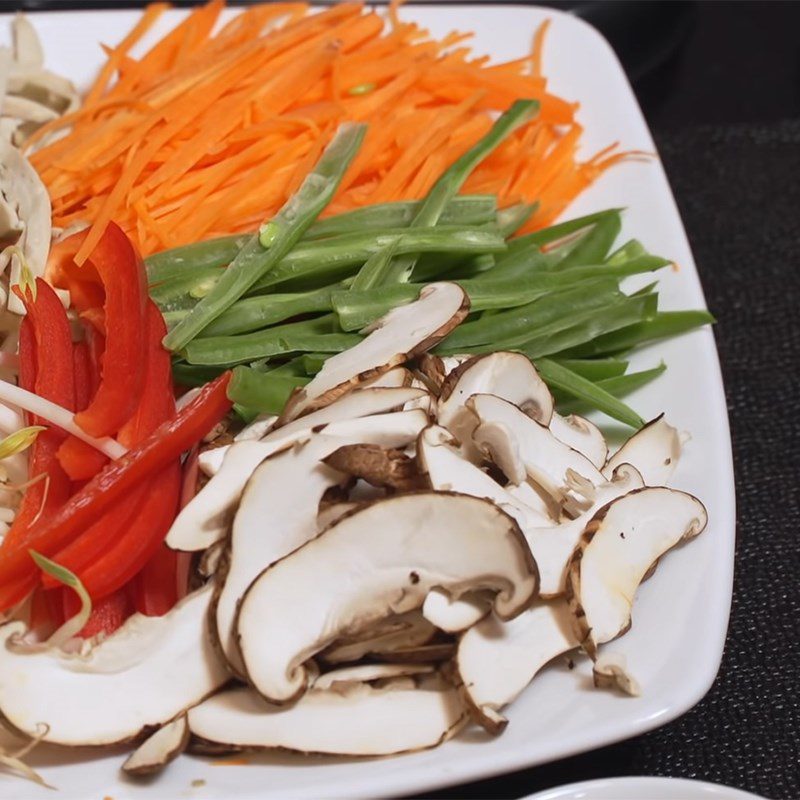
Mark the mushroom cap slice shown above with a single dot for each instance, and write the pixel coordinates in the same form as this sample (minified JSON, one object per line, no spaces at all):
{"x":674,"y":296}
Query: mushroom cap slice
{"x":511,"y":376}
{"x":378,"y":466}
{"x":654,"y":451}
{"x":350,"y":719}
{"x":362,"y":403}
{"x":610,"y":672}
{"x":618,"y":547}
{"x":393,"y":339}
{"x":454,"y":616}
{"x":272,"y":521}
{"x":400,"y":632}
{"x":546,"y":459}
{"x":582,"y":435}
{"x":369,"y":673}
{"x":207,"y":517}
{"x":380,"y":560}
{"x":553,"y":546}
{"x":447,"y":470}
{"x":161,"y":747}
{"x":147,"y":672}
{"x":496,"y":660}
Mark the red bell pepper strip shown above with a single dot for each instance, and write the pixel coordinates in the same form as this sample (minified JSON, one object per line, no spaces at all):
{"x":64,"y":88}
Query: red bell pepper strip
{"x":82,"y":370}
{"x":148,"y":459}
{"x":79,"y":460}
{"x":121,"y":271}
{"x":131,"y":517}
{"x":46,"y":368}
{"x":107,"y":614}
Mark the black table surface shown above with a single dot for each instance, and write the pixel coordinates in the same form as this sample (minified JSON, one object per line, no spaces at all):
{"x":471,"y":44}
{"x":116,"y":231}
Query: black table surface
{"x":720,"y":85}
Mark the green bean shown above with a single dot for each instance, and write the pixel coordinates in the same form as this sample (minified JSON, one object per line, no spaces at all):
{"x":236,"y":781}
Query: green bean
{"x":182,"y":292}
{"x":312,"y":362}
{"x":265,"y":392}
{"x":662,"y":325}
{"x":462,"y":210}
{"x":512,"y":218}
{"x":190,"y":375}
{"x":341,"y":255}
{"x":453,"y":178}
{"x":595,"y":245}
{"x":594,"y":369}
{"x":200,"y":255}
{"x":358,"y":309}
{"x":465,"y":209}
{"x":254,"y":313}
{"x":518,"y":324}
{"x":561,"y":230}
{"x":565,"y":380}
{"x":617,"y":385}
{"x":316,"y":335}
{"x":285,"y":229}
{"x":373,"y":272}
{"x":586,"y":326}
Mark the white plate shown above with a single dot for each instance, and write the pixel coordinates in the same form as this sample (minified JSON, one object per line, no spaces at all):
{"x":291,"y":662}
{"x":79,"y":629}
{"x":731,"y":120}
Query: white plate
{"x":681,"y":615}
{"x":642,"y":789}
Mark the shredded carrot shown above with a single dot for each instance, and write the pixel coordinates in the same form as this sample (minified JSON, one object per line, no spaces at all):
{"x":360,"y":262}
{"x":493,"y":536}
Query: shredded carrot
{"x":209,"y":130}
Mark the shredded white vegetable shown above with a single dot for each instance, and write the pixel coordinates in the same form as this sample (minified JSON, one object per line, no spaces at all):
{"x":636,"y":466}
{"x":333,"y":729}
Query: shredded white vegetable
{"x":64,"y":419}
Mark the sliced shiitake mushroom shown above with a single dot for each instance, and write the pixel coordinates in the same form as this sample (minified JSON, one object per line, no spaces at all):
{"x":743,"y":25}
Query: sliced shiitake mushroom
{"x":369,"y":673}
{"x":511,"y":376}
{"x":582,"y":435}
{"x":144,"y":674}
{"x":496,"y":660}
{"x":206,"y":519}
{"x":161,"y":747}
{"x":269,"y":503}
{"x":654,"y":451}
{"x":393,"y":339}
{"x":362,"y":403}
{"x":610,"y":671}
{"x":380,"y":560}
{"x":617,"y":549}
{"x":401,"y":632}
{"x":544,"y":457}
{"x":379,"y":466}
{"x":354,"y":719}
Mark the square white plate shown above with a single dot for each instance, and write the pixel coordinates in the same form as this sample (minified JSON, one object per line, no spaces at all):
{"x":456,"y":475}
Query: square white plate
{"x":681,"y":615}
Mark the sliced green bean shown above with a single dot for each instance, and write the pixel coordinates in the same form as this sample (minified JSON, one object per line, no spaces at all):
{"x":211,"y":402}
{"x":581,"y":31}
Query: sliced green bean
{"x":190,"y":375}
{"x":519,"y":324}
{"x":662,"y":325}
{"x":594,"y":369}
{"x":453,"y":178}
{"x":317,"y":335}
{"x":265,"y":392}
{"x":631,"y":249}
{"x":512,"y":218}
{"x":561,"y":230}
{"x":465,"y":209}
{"x":349,"y":251}
{"x":617,"y":385}
{"x":254,"y":313}
{"x":594,"y":247}
{"x":358,"y":309}
{"x":199,"y":255}
{"x":569,"y":382}
{"x":586,"y":326}
{"x":462,"y":210}
{"x":312,"y":362}
{"x":289,"y":224}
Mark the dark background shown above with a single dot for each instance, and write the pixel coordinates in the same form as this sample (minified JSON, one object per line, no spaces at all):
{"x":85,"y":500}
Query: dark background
{"x":719,"y":83}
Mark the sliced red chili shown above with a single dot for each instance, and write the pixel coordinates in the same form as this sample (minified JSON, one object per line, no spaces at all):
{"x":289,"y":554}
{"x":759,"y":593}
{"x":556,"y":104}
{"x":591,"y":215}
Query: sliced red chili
{"x":151,"y":457}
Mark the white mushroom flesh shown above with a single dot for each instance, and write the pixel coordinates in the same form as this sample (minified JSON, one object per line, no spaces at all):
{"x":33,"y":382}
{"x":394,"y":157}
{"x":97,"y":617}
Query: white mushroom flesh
{"x":582,"y":435}
{"x":496,"y":660}
{"x":349,"y":719}
{"x":147,"y":672}
{"x":654,"y":450}
{"x":619,"y":546}
{"x":382,"y":559}
{"x":161,"y":747}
